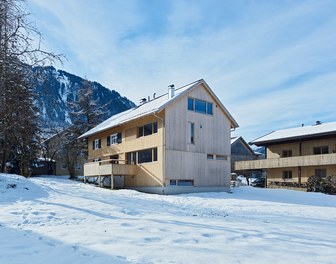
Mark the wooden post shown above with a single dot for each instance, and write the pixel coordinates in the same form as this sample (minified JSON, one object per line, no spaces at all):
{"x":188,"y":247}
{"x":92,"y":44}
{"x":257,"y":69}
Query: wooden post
{"x":112,"y":181}
{"x":84,"y":179}
{"x":100,"y":185}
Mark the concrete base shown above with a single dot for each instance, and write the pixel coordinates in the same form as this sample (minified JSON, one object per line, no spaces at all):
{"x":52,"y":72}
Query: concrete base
{"x":180,"y":189}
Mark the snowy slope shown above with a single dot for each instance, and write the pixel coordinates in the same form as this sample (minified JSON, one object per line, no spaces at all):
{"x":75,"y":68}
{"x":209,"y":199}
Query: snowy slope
{"x":69,"y":222}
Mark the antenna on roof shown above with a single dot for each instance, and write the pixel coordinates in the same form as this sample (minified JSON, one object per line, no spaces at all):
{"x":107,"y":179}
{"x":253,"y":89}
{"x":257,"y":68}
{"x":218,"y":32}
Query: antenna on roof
{"x":318,"y":122}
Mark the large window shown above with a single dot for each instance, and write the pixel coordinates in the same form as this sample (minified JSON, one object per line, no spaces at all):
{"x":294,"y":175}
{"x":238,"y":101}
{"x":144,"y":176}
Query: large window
{"x":321,"y":150}
{"x":286,"y":175}
{"x":114,"y":139}
{"x":148,"y":129}
{"x":142,"y":156}
{"x":321,"y":173}
{"x":192,"y":133}
{"x":200,"y":106}
{"x":96,"y":144}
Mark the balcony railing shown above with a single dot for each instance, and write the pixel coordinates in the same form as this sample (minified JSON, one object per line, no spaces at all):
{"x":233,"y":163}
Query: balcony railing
{"x":108,"y":168}
{"x":310,"y":160}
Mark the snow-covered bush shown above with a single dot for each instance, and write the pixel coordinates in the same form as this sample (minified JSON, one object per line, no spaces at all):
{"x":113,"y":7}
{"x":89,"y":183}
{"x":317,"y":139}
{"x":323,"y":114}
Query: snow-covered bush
{"x":325,"y":185}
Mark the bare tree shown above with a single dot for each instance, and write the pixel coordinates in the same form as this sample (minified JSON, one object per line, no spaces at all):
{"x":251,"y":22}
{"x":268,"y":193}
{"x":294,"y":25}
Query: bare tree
{"x":18,"y":114}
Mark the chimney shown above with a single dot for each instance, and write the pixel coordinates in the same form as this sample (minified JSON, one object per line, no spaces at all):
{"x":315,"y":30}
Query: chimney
{"x":171,"y":91}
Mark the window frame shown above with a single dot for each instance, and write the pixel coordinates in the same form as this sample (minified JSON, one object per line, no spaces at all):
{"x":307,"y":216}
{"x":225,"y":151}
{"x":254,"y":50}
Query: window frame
{"x":191,"y":133}
{"x":287,"y":153}
{"x":287,"y":175}
{"x":322,"y":172}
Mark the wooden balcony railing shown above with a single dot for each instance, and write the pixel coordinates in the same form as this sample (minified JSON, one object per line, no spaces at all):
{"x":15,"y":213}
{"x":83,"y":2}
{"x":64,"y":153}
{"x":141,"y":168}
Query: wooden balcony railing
{"x":310,"y":160}
{"x":108,"y":168}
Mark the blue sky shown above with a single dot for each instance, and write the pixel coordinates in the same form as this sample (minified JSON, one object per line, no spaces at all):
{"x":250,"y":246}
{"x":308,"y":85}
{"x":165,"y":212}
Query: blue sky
{"x":272,"y":63}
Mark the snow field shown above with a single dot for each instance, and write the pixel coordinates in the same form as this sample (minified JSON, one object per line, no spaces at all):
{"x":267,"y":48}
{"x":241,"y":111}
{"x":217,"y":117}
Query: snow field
{"x":61,"y":221}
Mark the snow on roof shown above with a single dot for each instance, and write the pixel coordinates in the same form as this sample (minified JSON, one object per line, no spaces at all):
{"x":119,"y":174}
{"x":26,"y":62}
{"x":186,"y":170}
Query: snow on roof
{"x":233,"y":140}
{"x":297,"y":132}
{"x":144,"y":109}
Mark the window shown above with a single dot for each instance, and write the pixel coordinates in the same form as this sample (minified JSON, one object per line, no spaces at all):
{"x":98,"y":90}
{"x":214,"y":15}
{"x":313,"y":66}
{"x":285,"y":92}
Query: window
{"x":140,"y":131}
{"x":321,"y":150}
{"x":142,"y":156}
{"x":131,"y":157}
{"x":114,"y":139}
{"x":64,"y":166}
{"x":210,"y":157}
{"x":181,"y":182}
{"x":147,"y":129}
{"x":154,"y":154}
{"x":287,"y":153}
{"x":287,"y":175}
{"x":221,"y":157}
{"x":78,"y":166}
{"x":185,"y":182}
{"x":96,"y":144}
{"x":172,"y":182}
{"x":190,"y":104}
{"x":192,"y":133}
{"x":321,"y":173}
{"x":209,"y":108}
{"x":200,"y":106}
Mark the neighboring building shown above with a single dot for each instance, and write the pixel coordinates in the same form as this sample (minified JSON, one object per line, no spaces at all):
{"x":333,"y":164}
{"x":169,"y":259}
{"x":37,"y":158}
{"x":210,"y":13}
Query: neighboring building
{"x":240,"y":150}
{"x":178,"y":142}
{"x":293,"y":155}
{"x":54,"y":151}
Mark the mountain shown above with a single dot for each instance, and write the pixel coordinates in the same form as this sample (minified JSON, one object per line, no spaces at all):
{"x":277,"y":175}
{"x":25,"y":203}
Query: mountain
{"x":56,"y":88}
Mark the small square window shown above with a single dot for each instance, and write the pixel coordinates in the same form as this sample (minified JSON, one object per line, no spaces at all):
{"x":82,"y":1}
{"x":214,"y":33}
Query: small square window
{"x":172,"y":183}
{"x":210,"y":157}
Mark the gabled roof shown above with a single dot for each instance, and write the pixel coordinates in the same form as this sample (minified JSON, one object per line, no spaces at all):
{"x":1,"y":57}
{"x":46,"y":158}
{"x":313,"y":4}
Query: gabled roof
{"x":243,"y":142}
{"x":154,"y":106}
{"x":296,"y":133}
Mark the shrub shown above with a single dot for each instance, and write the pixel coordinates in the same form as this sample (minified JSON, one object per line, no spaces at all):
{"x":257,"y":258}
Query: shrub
{"x":325,"y":185}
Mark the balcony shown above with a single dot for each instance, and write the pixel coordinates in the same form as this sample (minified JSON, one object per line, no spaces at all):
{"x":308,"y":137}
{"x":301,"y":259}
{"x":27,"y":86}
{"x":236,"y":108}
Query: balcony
{"x":299,"y":161}
{"x":108,"y":168}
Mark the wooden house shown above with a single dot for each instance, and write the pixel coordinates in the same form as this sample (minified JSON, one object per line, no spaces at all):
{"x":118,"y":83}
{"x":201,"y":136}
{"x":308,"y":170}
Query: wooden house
{"x":295,"y":154}
{"x":175,"y":143}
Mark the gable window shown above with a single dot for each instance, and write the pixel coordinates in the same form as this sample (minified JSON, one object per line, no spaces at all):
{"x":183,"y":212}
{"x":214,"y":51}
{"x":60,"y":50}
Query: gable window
{"x":148,"y":129}
{"x":200,"y":106}
{"x":114,"y":139}
{"x":321,"y":173}
{"x":321,"y":150}
{"x":209,"y":108}
{"x":286,"y":175}
{"x":192,"y":133}
{"x":190,"y":104}
{"x":96,"y":144}
{"x":287,"y":153}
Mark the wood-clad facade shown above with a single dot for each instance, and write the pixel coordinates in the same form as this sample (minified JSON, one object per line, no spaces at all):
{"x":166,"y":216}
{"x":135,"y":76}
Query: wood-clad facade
{"x":296,"y":159}
{"x":175,"y":148}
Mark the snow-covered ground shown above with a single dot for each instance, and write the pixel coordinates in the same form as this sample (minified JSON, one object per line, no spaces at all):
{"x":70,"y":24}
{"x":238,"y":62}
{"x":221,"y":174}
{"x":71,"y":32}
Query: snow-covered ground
{"x":55,"y":220}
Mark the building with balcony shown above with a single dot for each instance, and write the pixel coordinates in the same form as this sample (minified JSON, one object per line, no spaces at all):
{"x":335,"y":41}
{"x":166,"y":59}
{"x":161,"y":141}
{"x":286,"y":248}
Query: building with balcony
{"x":295,"y":154}
{"x":175,"y":143}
